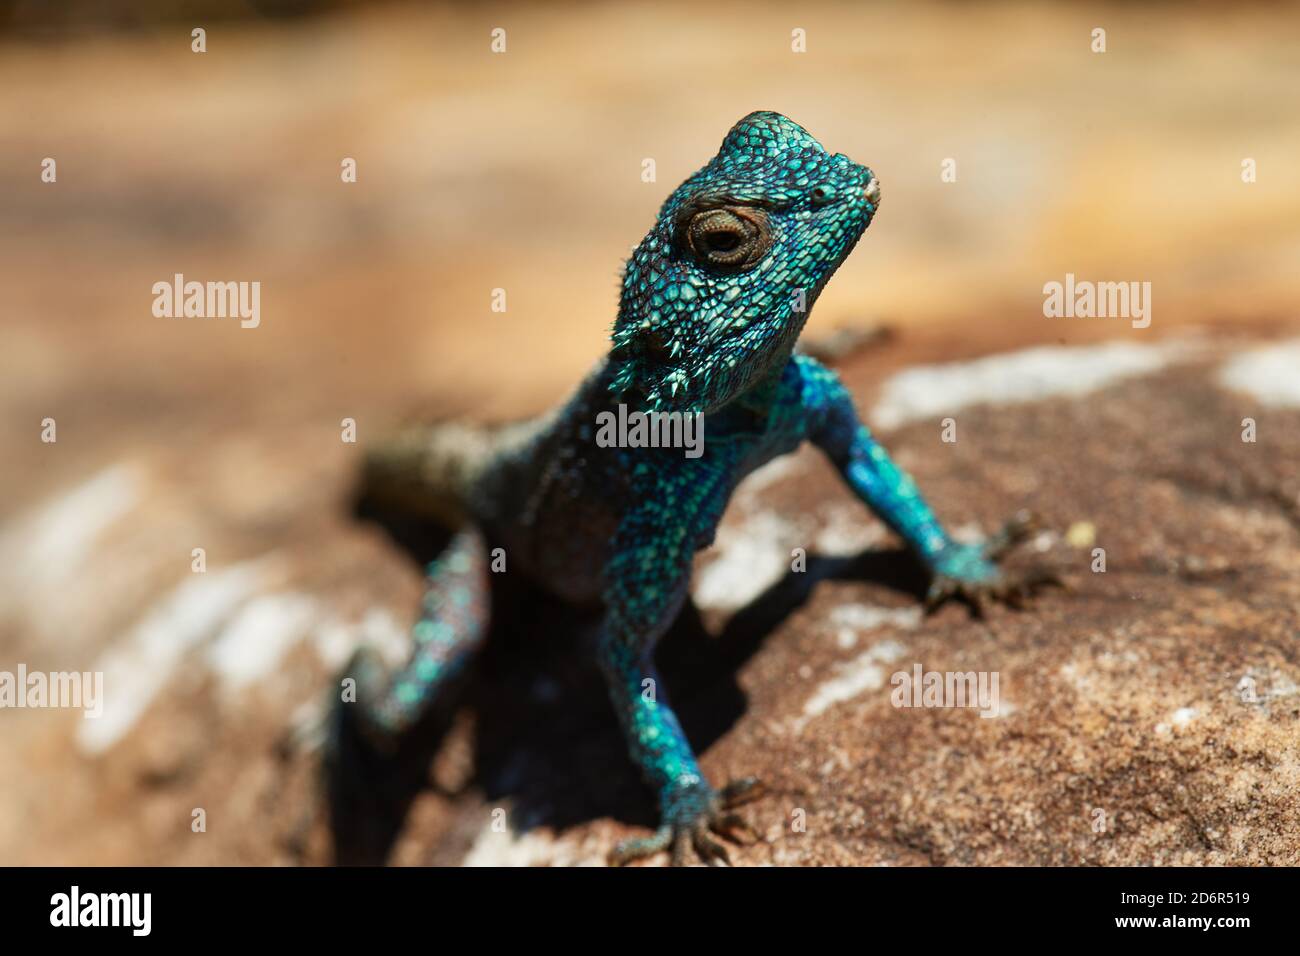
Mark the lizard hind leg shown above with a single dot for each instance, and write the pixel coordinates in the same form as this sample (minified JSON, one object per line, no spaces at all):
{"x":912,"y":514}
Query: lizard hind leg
{"x":452,"y":626}
{"x":372,"y":765}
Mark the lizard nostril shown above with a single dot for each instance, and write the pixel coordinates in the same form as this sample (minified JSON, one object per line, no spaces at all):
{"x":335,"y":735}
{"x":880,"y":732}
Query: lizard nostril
{"x":872,"y":192}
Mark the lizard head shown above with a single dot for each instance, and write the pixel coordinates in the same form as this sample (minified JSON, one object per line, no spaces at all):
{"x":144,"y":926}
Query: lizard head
{"x":716,"y":294}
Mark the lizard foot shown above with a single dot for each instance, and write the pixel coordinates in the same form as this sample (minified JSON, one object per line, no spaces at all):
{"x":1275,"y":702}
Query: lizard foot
{"x":969,"y":573}
{"x":693,"y":814}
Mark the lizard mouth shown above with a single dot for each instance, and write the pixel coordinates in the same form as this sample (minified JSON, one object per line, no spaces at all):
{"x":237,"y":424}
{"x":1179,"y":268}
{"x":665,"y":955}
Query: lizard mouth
{"x":669,"y":386}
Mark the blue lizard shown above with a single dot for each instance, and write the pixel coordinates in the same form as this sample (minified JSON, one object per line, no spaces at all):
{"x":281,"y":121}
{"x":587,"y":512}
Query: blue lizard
{"x":713,"y":300}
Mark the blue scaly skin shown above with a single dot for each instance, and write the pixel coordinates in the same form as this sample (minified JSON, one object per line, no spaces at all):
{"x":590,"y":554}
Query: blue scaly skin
{"x":713,"y":300}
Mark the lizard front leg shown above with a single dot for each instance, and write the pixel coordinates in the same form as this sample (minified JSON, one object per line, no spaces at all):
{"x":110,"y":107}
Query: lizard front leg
{"x":967,"y":571}
{"x":648,"y":577}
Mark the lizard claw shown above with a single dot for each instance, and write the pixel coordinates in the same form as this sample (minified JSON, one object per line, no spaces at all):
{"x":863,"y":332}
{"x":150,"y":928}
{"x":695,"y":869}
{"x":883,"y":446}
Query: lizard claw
{"x":694,"y":827}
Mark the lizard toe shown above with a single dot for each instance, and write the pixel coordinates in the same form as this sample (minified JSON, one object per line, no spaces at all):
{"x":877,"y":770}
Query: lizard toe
{"x":642,"y":847}
{"x":730,"y":824}
{"x":710,"y":850}
{"x":695,"y":828}
{"x":739,"y":792}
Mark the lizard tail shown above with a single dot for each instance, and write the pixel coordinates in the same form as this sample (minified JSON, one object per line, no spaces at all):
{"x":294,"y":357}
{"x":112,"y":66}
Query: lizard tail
{"x":431,"y":470}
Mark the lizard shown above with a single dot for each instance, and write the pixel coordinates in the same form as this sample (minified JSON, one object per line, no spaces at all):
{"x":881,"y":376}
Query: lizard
{"x":712,"y":302}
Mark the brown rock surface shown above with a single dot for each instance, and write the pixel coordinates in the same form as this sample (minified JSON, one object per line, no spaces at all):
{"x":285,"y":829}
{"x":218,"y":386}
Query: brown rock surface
{"x":1124,"y":695}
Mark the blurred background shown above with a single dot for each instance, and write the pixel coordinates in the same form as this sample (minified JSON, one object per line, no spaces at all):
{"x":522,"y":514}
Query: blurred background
{"x":475,"y":171}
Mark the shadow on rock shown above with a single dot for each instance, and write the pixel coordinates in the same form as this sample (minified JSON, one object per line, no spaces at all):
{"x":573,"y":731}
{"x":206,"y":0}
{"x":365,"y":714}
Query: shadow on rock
{"x":545,"y":740}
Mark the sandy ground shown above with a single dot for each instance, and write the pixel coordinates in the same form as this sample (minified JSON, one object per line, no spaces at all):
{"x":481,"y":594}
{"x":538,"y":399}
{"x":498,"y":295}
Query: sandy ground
{"x":523,"y":172}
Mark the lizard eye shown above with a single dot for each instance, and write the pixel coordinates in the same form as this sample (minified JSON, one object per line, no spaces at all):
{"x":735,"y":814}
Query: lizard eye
{"x":732,"y":238}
